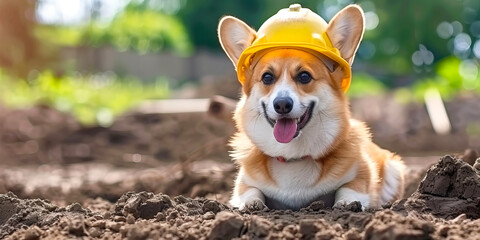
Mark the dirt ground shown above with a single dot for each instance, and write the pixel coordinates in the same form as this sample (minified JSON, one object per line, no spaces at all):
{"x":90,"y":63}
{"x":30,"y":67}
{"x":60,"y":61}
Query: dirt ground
{"x":154,"y":176}
{"x":446,"y":205}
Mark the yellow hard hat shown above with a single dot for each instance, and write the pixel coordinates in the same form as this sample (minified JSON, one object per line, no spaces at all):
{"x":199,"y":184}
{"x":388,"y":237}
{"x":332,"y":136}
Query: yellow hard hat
{"x":294,"y":27}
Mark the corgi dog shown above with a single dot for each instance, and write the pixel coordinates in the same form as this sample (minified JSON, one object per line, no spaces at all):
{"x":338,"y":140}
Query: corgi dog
{"x":296,"y":142}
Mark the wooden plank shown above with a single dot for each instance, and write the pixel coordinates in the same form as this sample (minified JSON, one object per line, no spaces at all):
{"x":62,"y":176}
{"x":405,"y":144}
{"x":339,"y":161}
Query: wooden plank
{"x":437,"y":112}
{"x":222,"y":108}
{"x":168,"y":106}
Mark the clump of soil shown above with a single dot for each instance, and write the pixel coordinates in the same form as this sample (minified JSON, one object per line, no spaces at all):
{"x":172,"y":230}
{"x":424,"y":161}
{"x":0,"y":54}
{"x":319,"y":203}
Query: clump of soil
{"x":144,"y":205}
{"x":450,"y":188}
{"x":18,"y":214}
{"x":451,"y":177}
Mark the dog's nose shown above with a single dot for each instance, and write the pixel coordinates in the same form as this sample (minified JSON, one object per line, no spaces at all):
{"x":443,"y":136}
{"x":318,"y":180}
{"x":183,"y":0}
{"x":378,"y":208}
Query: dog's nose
{"x":283,"y":105}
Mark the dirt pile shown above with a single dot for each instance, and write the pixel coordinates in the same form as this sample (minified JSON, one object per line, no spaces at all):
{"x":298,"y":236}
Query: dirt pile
{"x":134,"y":216}
{"x":40,"y":135}
{"x":451,"y":177}
{"x":146,"y":215}
{"x":406,"y":127}
{"x":25,"y":132}
{"x":64,"y":185}
{"x":17,"y":213}
{"x":450,"y":188}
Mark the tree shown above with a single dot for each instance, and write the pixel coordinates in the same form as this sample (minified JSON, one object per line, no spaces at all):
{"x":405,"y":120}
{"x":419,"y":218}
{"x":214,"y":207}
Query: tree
{"x":20,"y":51}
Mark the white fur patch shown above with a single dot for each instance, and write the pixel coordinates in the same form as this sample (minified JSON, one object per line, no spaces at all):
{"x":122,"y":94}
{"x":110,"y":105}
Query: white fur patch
{"x":392,"y":180}
{"x":345,"y":195}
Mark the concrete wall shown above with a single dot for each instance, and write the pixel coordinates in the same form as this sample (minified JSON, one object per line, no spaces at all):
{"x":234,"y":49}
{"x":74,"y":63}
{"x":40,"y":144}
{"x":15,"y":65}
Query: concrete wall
{"x":148,"y":66}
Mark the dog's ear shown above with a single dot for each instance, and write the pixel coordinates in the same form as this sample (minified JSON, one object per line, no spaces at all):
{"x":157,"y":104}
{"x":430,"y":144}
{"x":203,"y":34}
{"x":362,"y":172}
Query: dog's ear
{"x":235,"y":36}
{"x":345,"y":31}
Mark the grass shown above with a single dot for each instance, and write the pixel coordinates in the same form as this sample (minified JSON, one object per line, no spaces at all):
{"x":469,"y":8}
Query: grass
{"x":92,"y":99}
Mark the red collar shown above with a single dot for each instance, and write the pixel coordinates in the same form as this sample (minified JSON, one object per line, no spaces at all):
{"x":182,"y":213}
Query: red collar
{"x":283,"y":160}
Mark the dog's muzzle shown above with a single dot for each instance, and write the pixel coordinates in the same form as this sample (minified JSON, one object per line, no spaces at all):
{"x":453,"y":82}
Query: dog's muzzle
{"x":286,"y":129}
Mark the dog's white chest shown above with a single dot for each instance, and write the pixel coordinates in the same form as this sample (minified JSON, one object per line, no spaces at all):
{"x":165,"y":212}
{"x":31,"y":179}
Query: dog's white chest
{"x":296,"y":184}
{"x":295,"y":176}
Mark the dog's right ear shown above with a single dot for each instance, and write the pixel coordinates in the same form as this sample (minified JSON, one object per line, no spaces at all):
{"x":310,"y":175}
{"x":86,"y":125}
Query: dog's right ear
{"x":235,"y":36}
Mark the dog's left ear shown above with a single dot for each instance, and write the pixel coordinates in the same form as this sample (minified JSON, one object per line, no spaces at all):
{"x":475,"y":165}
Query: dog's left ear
{"x":345,"y":31}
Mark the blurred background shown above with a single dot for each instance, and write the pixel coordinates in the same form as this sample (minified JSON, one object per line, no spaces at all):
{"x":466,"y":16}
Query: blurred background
{"x":88,"y":81}
{"x":160,"y":46}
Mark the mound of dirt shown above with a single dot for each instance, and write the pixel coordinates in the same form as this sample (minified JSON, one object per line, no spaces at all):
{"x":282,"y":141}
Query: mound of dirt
{"x":445,"y":205}
{"x":79,"y":182}
{"x":41,"y":135}
{"x":146,"y":215}
{"x":450,"y":188}
{"x":17,"y":213}
{"x":406,"y":127}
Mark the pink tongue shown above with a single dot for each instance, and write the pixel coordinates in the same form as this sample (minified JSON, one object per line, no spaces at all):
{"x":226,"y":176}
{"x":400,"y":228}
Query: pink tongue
{"x":285,"y":129}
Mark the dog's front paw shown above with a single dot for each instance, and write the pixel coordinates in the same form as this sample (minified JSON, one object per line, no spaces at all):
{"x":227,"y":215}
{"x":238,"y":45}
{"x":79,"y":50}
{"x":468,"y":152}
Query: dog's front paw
{"x":255,"y":205}
{"x":252,"y":205}
{"x":340,"y":204}
{"x":350,"y":200}
{"x":354,"y":206}
{"x":250,"y":200}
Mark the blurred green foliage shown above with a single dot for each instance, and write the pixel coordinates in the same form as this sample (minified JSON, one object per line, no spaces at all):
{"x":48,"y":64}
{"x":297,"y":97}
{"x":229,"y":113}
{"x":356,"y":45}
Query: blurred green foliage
{"x":452,"y":77}
{"x":93,"y":99}
{"x":364,"y":84}
{"x":143,"y":30}
{"x":404,"y":25}
{"x":135,"y":28}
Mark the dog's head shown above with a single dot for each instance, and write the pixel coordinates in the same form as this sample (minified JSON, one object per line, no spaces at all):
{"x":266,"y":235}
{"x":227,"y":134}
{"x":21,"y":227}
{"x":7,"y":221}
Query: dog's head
{"x":294,"y":103}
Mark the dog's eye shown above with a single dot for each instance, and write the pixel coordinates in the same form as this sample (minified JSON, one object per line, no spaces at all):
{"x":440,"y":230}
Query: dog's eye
{"x":267,"y":78}
{"x":304,"y":77}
